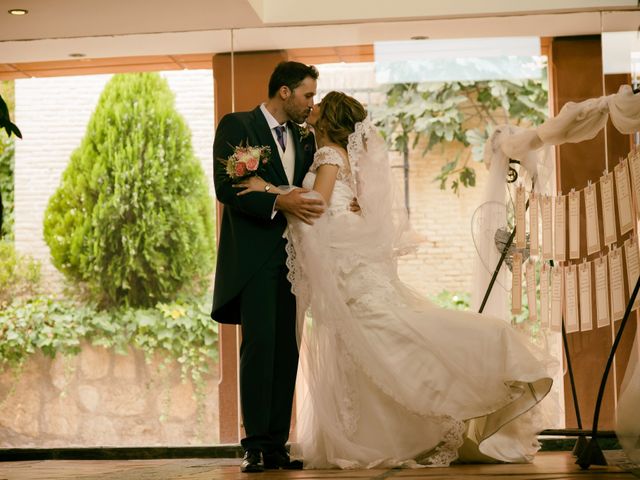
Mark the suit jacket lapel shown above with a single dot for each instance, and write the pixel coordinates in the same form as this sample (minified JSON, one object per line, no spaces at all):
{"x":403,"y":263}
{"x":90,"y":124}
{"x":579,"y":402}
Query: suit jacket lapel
{"x":265,"y":137}
{"x":299,"y":165}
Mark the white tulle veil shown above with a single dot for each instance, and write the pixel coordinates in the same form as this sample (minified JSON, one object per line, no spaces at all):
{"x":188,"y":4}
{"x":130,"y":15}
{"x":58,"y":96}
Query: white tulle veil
{"x":343,"y":269}
{"x":383,"y":228}
{"x":380,"y":232}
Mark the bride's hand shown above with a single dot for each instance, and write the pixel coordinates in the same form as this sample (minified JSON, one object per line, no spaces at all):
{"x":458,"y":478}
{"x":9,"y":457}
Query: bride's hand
{"x":251,"y":184}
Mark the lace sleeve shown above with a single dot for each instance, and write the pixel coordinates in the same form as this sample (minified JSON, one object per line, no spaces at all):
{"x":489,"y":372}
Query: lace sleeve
{"x":327,"y":156}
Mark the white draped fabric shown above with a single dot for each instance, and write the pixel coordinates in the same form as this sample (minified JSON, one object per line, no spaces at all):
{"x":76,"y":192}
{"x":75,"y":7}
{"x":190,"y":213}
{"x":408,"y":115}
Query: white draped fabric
{"x":574,"y":123}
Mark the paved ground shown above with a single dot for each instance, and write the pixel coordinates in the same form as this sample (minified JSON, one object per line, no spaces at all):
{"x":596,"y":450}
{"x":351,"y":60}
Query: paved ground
{"x":547,"y":466}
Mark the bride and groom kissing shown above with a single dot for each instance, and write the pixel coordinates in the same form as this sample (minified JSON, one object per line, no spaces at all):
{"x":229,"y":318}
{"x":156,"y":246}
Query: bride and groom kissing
{"x":392,"y":379}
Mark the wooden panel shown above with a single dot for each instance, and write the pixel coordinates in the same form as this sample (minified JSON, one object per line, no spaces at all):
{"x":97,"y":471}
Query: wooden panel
{"x":151,"y":67}
{"x":251,"y":79}
{"x":12,"y":75}
{"x":618,"y":147}
{"x":351,"y":54}
{"x":577,"y":68}
{"x":92,"y":66}
{"x":195,"y":61}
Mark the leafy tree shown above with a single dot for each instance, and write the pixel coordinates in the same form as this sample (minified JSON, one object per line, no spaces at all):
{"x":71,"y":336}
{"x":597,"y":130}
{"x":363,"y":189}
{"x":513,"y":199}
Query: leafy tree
{"x":435,"y":114}
{"x":132,"y":218}
{"x":7,"y":148}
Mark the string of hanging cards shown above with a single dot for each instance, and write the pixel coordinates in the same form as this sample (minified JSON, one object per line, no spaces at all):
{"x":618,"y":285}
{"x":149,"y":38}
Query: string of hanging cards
{"x":569,"y":288}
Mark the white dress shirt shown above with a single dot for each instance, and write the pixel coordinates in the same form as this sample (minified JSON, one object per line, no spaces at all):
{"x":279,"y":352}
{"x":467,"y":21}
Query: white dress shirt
{"x":288,"y":156}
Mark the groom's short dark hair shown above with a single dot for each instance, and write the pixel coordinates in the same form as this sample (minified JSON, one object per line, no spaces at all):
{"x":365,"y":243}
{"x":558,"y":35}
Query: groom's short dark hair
{"x":290,"y":74}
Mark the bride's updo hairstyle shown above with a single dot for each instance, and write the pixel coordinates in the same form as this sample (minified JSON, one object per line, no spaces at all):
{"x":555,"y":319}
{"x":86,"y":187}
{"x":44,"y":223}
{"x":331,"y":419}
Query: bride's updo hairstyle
{"x":339,"y":114}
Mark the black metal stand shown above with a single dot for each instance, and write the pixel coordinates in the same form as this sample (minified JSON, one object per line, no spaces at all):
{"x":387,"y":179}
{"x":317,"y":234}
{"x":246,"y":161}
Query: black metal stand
{"x":497,"y":270}
{"x":592,"y":453}
{"x":588,"y":452}
{"x":581,"y":440}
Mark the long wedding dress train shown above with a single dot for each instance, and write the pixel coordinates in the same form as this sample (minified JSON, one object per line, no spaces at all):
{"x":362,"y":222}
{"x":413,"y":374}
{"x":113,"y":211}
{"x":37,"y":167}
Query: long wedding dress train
{"x":394,"y":380}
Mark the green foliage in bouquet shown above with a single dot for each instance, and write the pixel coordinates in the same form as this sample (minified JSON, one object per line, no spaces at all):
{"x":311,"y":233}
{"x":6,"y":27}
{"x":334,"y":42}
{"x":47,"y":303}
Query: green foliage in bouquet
{"x":132,"y":218}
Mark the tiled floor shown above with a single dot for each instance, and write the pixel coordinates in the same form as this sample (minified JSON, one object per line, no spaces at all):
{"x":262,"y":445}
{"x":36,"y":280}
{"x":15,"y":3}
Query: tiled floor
{"x":547,"y":466}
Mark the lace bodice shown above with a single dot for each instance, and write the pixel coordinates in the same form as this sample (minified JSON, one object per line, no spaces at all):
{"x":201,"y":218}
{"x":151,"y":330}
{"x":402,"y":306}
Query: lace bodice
{"x":344,"y":190}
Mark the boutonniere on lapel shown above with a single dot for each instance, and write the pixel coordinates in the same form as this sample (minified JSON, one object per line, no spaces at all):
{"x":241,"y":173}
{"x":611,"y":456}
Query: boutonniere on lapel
{"x":303,"y":130}
{"x":246,"y":161}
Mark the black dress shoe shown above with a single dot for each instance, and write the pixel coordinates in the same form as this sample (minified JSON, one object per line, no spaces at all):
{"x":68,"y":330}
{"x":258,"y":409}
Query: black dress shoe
{"x":252,"y":462}
{"x":280,"y":460}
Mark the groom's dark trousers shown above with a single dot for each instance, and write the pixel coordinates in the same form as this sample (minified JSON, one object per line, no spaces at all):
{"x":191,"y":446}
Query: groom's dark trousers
{"x":268,"y":355}
{"x":251,"y":286}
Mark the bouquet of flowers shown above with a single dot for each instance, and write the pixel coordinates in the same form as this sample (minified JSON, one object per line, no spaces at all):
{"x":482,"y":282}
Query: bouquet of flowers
{"x":246,"y":160}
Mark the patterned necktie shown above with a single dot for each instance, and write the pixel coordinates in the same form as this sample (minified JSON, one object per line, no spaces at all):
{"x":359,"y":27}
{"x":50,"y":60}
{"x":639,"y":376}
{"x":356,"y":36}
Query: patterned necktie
{"x":280,"y":136}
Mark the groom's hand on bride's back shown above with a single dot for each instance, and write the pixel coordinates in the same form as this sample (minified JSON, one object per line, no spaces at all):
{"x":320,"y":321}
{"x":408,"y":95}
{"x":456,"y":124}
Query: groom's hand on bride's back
{"x":297,"y":204}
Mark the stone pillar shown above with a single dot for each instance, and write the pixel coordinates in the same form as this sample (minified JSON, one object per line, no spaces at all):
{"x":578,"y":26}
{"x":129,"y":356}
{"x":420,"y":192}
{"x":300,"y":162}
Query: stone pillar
{"x":251,"y":78}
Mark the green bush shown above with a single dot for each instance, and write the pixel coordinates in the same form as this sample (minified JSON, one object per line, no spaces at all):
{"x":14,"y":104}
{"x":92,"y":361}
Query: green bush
{"x":7,"y":148}
{"x":452,"y":300}
{"x":132,"y":218}
{"x":19,"y":274}
{"x":182,"y":331}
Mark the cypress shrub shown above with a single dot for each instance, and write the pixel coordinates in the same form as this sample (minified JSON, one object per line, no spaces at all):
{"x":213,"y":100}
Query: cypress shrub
{"x":132,"y":219}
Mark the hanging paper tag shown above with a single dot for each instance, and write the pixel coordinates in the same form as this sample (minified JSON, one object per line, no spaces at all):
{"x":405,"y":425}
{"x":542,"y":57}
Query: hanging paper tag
{"x":593,"y":227}
{"x":608,"y":210}
{"x":616,"y":284}
{"x":634,"y":167}
{"x":547,"y":233}
{"x":633,"y":267}
{"x":574,"y":225}
{"x":623,"y":193}
{"x":584,"y":280}
{"x":534,"y":236}
{"x":521,"y":227}
{"x":531,"y":290}
{"x":571,"y":299}
{"x":557,"y":279}
{"x":544,"y":296}
{"x":516,"y":283}
{"x":602,"y":291}
{"x":560,"y":234}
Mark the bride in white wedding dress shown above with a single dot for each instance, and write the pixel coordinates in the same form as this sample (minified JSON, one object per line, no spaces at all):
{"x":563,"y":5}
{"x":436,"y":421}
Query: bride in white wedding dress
{"x":393,"y":380}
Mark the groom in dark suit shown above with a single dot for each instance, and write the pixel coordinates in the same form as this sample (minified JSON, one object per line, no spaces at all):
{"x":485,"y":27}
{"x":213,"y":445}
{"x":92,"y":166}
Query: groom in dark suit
{"x":251,"y":286}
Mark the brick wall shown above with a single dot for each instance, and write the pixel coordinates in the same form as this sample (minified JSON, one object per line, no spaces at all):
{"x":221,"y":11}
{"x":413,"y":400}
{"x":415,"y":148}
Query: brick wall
{"x":445,"y":260}
{"x":53,"y":113}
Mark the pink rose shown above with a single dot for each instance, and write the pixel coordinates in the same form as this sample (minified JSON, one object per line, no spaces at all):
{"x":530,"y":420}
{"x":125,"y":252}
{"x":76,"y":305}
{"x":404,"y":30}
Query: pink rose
{"x":252,"y":164}
{"x":241,"y":169}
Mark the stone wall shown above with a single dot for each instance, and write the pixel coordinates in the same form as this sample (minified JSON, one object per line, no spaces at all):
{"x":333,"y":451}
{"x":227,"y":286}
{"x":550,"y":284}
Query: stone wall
{"x":100,"y":398}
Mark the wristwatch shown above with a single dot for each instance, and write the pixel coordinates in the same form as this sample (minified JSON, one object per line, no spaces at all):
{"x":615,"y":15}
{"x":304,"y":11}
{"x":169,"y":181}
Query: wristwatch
{"x":267,"y":187}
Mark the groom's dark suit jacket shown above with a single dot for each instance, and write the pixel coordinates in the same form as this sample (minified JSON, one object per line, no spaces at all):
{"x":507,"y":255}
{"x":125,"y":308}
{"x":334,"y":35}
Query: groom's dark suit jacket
{"x":248,"y":234}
